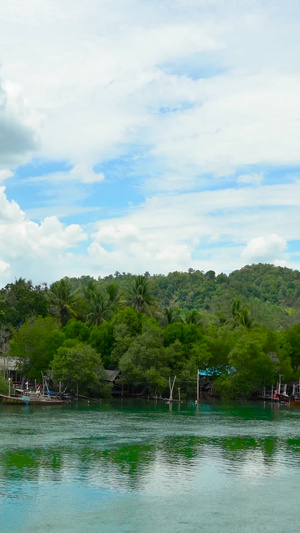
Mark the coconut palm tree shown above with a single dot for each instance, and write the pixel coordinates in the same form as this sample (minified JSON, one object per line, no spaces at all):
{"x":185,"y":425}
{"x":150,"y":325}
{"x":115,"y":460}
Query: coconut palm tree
{"x":172,"y":314}
{"x":114,"y":295}
{"x":192,"y":316}
{"x":139,"y":295}
{"x":99,"y":309}
{"x":62,"y":300}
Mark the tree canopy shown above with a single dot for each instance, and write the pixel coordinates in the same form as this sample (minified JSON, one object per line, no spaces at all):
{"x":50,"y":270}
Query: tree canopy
{"x":244,"y":327}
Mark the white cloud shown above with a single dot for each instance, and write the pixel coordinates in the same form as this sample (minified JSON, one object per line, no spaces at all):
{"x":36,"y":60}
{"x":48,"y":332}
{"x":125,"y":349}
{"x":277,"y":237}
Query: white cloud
{"x":250,"y":179}
{"x":86,"y":174}
{"x":265,"y":249}
{"x":192,"y":90}
{"x":206,"y":230}
{"x":119,"y":234}
{"x":218,"y":230}
{"x":99,"y":89}
{"x":5,"y":173}
{"x":80,"y":173}
{"x":28,"y":249}
{"x":17,"y":128}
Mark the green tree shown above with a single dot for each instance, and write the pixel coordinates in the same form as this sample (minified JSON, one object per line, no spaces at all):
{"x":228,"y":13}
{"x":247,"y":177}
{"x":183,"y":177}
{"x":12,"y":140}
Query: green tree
{"x":130,"y":319}
{"x":63,"y":300}
{"x":114,"y":295}
{"x":35,"y":344}
{"x":102,"y":339}
{"x":3,"y":385}
{"x":192,"y":316}
{"x":21,"y":300}
{"x":172,"y":314}
{"x":75,"y":329}
{"x":80,"y":366}
{"x":145,"y":364}
{"x":99,"y":309}
{"x":251,"y":368}
{"x":139,"y":295}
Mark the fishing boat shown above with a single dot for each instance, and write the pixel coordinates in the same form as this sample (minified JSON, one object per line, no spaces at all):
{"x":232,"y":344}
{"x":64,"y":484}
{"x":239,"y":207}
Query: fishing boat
{"x":42,"y":400}
{"x":283,"y":397}
{"x":295,"y":400}
{"x":14,"y":399}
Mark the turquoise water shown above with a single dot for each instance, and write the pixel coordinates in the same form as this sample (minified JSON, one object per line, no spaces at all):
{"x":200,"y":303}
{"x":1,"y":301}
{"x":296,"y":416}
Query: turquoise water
{"x":140,"y":467}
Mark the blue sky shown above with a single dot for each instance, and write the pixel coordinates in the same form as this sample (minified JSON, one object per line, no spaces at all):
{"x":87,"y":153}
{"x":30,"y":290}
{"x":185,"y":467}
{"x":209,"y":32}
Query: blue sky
{"x":154,"y":136}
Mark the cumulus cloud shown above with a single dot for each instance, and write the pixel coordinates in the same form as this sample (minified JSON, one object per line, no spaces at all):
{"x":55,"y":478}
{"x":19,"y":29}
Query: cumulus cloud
{"x":206,"y":230}
{"x":28,"y":249}
{"x":17,"y":133}
{"x":265,"y":249}
{"x":189,"y":92}
{"x":202,"y":230}
{"x":147,"y":83}
{"x":117,"y":234}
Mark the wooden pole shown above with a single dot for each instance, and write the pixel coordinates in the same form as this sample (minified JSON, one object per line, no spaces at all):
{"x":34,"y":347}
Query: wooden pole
{"x":171,"y":386}
{"x":179,"y":398}
{"x":8,"y":386}
{"x":198,"y":380}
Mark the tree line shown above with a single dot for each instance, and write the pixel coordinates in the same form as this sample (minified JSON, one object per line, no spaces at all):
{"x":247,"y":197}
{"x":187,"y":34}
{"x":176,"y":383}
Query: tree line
{"x":242,"y":328}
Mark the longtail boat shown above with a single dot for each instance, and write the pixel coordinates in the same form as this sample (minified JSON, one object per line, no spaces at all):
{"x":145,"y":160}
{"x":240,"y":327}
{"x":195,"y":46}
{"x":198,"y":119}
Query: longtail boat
{"x":30,"y":400}
{"x":14,"y":399}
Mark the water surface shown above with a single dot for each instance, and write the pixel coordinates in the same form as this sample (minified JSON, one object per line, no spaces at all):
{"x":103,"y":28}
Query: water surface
{"x":140,"y":467}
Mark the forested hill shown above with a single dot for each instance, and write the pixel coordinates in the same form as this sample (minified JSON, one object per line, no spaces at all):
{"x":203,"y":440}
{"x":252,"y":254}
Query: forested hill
{"x":270,"y":293}
{"x":245,"y":326}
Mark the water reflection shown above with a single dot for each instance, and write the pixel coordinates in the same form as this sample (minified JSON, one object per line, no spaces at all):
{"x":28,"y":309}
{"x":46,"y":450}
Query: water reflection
{"x":132,"y":464}
{"x":169,"y":469}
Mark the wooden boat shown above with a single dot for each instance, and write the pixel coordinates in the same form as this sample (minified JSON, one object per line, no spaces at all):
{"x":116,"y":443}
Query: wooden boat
{"x":30,"y":400}
{"x":283,"y":397}
{"x":14,"y":399}
{"x":295,"y":401}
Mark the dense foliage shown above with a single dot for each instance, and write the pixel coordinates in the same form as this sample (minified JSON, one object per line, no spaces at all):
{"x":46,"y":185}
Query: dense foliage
{"x":244,"y":328}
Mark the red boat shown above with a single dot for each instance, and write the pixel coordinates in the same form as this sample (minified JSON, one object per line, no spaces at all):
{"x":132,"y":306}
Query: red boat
{"x":281,"y":397}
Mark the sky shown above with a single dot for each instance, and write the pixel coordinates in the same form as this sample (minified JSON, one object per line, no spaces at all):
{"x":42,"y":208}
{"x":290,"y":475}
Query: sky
{"x":148,"y":135}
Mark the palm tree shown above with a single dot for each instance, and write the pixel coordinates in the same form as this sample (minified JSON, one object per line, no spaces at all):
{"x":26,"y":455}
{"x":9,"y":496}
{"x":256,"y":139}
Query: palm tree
{"x":139,"y":295}
{"x":99,"y":309}
{"x":241,"y":315}
{"x":89,"y":289}
{"x":245,"y":318}
{"x":172,"y":314}
{"x":114,"y":294}
{"x":192,"y":317}
{"x":62,"y":300}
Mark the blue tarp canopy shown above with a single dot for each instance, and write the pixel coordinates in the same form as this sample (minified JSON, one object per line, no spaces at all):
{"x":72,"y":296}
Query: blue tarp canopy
{"x":214,"y":371}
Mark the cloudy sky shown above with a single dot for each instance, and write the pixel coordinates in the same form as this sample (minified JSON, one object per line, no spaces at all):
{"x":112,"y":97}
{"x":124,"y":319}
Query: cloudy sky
{"x":150,"y":135}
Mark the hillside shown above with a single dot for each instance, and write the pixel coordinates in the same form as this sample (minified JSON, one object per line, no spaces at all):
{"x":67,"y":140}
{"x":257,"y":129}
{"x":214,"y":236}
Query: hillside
{"x":270,"y":293}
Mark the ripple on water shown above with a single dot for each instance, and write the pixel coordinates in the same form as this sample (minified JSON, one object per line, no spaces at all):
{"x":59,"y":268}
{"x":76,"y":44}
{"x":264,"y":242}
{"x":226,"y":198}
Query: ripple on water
{"x":141,"y":467}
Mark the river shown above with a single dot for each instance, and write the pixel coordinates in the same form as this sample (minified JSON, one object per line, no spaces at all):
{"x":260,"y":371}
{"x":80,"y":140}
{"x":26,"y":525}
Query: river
{"x":137,"y":467}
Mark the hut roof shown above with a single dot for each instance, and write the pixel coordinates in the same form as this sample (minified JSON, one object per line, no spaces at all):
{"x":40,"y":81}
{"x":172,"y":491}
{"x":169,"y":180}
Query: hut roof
{"x":8,"y":363}
{"x":112,"y":375}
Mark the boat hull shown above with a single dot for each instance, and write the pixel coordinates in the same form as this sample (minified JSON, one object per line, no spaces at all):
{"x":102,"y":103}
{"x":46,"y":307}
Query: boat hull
{"x":295,"y":403}
{"x":12,"y":399}
{"x":28,"y":400}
